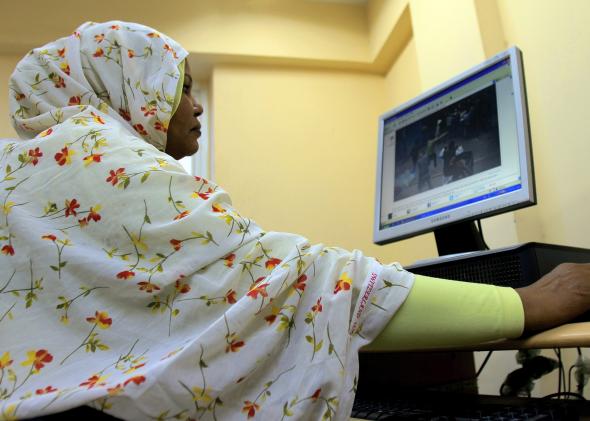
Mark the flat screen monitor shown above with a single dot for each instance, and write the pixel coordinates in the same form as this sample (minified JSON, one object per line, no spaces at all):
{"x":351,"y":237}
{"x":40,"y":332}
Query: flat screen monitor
{"x":457,"y":153}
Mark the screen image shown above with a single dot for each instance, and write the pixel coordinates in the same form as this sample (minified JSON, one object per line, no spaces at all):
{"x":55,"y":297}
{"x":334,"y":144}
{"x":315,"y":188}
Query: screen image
{"x":455,"y":153}
{"x":458,"y":141}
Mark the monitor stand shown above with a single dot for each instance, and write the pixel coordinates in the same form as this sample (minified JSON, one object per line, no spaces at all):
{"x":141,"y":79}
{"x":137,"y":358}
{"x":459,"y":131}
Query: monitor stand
{"x":461,"y":237}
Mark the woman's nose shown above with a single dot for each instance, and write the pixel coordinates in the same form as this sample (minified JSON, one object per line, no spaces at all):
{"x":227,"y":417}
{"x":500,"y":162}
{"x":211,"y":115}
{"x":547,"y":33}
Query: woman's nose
{"x":198,"y":109}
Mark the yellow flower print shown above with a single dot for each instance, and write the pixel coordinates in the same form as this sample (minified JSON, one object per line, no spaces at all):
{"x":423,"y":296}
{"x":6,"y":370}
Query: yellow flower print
{"x":104,"y":107}
{"x":65,"y":67}
{"x":217,"y":208}
{"x":5,"y":360}
{"x":202,"y":395}
{"x":37,"y":359}
{"x":102,"y":319}
{"x":7,"y":207}
{"x":9,"y":414}
{"x":138,"y":243}
{"x":343,"y":283}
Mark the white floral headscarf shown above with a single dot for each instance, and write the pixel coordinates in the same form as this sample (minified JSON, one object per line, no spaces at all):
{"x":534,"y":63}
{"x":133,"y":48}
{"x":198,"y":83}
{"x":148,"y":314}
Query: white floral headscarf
{"x":126,"y":70}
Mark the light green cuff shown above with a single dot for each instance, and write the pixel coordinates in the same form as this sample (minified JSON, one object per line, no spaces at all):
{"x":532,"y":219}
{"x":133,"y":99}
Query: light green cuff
{"x":439,"y":313}
{"x":179,"y":85}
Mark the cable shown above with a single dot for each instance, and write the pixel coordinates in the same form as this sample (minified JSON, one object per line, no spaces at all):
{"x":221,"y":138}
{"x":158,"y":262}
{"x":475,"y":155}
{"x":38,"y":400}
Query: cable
{"x":569,"y":375}
{"x":558,"y":395}
{"x":561,"y":373}
{"x":483,"y":364}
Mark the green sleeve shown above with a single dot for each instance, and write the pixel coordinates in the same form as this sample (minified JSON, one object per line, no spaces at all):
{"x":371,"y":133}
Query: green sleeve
{"x":439,"y":313}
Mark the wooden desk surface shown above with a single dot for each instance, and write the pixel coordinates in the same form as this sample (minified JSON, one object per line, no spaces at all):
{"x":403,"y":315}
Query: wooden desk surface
{"x":570,"y":335}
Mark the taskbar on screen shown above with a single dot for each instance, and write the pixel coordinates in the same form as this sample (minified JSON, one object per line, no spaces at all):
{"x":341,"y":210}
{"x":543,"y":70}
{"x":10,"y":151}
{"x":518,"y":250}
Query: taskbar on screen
{"x":452,"y":206}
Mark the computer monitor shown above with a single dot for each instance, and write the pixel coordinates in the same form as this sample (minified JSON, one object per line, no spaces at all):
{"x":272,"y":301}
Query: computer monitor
{"x":457,"y":153}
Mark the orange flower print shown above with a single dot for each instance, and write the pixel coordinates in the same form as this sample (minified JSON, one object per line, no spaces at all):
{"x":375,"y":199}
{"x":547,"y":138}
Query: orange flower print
{"x":95,"y":157}
{"x":272,"y":263}
{"x":98,"y":53}
{"x":202,"y":195}
{"x":114,"y":176}
{"x":7,"y":249}
{"x":229,"y":260}
{"x":135,"y":379}
{"x":46,"y":132}
{"x":114,"y":391}
{"x":35,"y":154}
{"x":99,"y":38}
{"x":317,"y":307}
{"x":258,"y":288}
{"x":71,"y":207}
{"x":177,"y":244}
{"x":98,"y":119}
{"x":161,"y":127}
{"x":37,"y":359}
{"x":147,"y":111}
{"x":181,"y":287}
{"x":5,"y":360}
{"x":125,"y":114}
{"x":169,"y":49}
{"x":217,"y":208}
{"x":130,"y":53}
{"x":148,"y":287}
{"x":95,"y":380}
{"x":58,"y":81}
{"x":64,"y":157}
{"x":49,"y":237}
{"x":234,"y":346}
{"x":230,"y":296}
{"x":300,"y":283}
{"x":126,"y":274}
{"x":19,"y":96}
{"x":46,"y":390}
{"x":250,"y":408}
{"x":181,"y":215}
{"x":153,"y":35}
{"x":62,"y":52}
{"x":83,"y":222}
{"x":139,"y":129}
{"x":115,"y":27}
{"x":343,"y":283}
{"x":316,"y":394}
{"x":101,"y":318}
{"x":270,"y":319}
{"x":93,"y":215}
{"x":75,"y":100}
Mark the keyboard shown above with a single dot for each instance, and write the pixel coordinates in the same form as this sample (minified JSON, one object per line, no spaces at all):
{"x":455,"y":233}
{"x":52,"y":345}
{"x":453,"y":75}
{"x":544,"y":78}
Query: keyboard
{"x":462,"y":407}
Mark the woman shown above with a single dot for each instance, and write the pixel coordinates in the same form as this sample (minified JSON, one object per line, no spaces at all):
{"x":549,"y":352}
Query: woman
{"x":133,"y":287}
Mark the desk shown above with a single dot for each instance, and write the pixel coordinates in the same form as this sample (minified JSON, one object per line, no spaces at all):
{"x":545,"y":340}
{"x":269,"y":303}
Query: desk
{"x":569,"y":335}
{"x":456,"y":364}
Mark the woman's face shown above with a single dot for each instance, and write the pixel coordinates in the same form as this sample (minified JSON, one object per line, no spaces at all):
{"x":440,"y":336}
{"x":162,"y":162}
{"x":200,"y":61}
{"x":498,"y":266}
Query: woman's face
{"x":184,"y":128}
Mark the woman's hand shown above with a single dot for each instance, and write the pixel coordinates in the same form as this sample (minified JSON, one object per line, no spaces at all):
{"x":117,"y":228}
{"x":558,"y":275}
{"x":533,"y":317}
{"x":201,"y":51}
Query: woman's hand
{"x":558,"y":297}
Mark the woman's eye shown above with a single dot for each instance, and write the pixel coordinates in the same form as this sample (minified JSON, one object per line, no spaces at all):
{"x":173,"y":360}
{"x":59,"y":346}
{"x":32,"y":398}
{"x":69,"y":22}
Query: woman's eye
{"x":186,"y":89}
